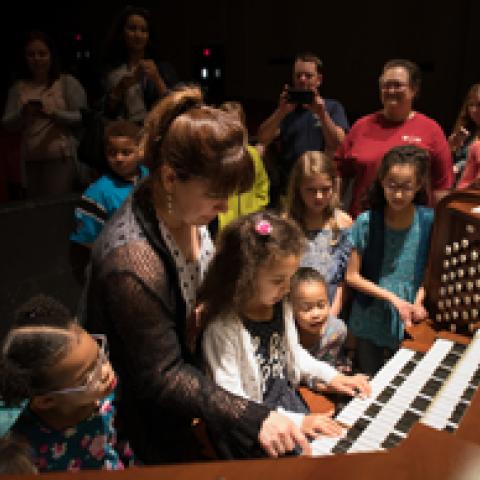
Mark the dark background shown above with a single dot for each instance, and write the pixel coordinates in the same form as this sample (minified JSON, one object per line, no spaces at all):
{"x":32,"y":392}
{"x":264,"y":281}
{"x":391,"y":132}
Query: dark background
{"x":259,"y":39}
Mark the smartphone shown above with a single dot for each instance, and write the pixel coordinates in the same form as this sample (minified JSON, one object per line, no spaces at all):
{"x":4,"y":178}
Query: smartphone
{"x":300,"y":96}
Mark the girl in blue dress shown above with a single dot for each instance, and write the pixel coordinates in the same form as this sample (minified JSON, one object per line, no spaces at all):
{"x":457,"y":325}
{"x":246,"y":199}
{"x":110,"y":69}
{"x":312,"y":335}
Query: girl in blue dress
{"x":390,"y":248}
{"x":312,"y":202}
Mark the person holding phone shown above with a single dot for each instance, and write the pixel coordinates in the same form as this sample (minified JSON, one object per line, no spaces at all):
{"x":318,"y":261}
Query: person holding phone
{"x":135,"y":78}
{"x":44,"y":105}
{"x":304,"y":121}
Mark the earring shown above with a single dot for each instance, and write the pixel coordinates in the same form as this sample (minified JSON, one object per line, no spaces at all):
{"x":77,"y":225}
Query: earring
{"x":169,"y":203}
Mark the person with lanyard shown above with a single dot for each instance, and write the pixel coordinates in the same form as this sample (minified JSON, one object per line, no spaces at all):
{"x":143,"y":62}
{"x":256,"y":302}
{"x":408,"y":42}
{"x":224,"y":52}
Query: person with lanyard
{"x":147,"y":265}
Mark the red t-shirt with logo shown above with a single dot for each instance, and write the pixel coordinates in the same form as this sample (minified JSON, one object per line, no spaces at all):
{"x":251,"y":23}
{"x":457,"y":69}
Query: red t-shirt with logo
{"x":373,"y":136}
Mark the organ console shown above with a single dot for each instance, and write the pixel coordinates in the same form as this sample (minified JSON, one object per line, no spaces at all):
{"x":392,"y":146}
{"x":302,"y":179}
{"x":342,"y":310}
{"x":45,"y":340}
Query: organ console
{"x":453,"y":273}
{"x":422,"y":420}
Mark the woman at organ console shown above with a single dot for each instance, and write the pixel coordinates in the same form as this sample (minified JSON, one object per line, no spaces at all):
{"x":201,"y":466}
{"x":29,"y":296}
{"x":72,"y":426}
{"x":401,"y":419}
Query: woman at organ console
{"x":146,"y":267}
{"x":390,"y":249}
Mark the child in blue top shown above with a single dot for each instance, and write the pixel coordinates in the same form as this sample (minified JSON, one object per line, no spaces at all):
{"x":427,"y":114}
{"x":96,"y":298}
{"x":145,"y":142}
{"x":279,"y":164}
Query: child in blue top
{"x":312,"y":201}
{"x":390,"y":248}
{"x":103,"y":197}
{"x":65,"y":375}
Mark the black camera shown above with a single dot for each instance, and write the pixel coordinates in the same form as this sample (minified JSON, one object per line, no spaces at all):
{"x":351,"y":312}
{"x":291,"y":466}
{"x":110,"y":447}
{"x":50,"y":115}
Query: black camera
{"x":300,"y":96}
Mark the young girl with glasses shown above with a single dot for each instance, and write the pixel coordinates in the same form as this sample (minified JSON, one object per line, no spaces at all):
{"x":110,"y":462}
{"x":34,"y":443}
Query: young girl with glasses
{"x":388,"y":260}
{"x":250,"y":343}
{"x":65,"y":375}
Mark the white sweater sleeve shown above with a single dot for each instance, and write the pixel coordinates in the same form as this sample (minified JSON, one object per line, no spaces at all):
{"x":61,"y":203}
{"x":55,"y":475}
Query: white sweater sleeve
{"x":220,"y":352}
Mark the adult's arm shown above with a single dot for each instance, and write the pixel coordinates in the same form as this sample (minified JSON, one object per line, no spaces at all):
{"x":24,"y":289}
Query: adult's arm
{"x":12,"y":116}
{"x":334,"y":123}
{"x":75,"y":100}
{"x":441,"y":166}
{"x":270,"y":128}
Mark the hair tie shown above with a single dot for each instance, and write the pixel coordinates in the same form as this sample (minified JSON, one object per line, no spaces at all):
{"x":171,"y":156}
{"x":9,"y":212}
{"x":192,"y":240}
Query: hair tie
{"x":263,"y":228}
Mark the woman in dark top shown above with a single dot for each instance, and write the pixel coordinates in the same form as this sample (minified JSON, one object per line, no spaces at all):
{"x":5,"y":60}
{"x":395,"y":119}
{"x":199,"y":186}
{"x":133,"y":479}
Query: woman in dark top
{"x":147,"y":265}
{"x":135,"y":78}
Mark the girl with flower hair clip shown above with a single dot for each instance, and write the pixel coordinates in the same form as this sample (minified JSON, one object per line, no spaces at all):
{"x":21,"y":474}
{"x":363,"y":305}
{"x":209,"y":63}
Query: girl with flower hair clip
{"x":64,"y":374}
{"x":250,"y":343}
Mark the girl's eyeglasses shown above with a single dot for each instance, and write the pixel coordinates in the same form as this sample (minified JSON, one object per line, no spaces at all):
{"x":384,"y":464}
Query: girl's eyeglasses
{"x":94,"y":376}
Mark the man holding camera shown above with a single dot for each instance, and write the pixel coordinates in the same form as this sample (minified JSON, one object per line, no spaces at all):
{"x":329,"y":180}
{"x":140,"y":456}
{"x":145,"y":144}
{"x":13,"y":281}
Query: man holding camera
{"x":303,"y":119}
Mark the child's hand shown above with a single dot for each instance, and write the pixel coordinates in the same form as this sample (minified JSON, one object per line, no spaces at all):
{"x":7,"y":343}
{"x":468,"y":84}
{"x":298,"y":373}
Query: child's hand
{"x":405,"y":310}
{"x":419,"y":313}
{"x":352,"y":385}
{"x":317,"y":424}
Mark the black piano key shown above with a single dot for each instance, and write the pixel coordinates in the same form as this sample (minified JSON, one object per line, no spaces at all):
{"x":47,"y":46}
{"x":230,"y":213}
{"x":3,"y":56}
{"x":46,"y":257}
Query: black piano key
{"x":357,"y":429}
{"x":457,"y":414}
{"x":418,"y":356}
{"x":392,"y":440}
{"x":458,"y":348}
{"x":372,"y":410}
{"x":386,"y":395}
{"x":468,"y":393}
{"x":441,"y":372}
{"x":475,"y":380}
{"x":408,"y":368}
{"x":398,"y":380}
{"x":449,"y":428}
{"x":431,"y":388}
{"x":420,"y":403}
{"x":406,"y":422}
{"x":450,"y":360}
{"x":342,"y":446}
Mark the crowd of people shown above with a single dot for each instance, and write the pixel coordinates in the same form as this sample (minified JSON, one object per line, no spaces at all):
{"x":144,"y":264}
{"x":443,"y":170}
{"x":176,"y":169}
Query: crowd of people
{"x":214,"y":286}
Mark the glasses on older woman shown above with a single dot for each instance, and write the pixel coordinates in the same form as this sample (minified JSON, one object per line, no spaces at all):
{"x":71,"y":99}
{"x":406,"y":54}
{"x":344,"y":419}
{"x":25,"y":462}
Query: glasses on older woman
{"x":392,"y":85}
{"x":93,"y":378}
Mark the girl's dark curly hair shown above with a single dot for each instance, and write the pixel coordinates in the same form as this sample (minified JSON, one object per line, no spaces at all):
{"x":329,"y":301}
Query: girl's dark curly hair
{"x":40,"y":337}
{"x":402,"y":155}
{"x":231,"y":278}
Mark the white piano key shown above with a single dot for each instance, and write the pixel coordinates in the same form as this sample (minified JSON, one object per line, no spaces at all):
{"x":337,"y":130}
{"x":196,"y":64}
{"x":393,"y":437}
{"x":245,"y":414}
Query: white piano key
{"x":449,"y":396}
{"x":384,"y":423}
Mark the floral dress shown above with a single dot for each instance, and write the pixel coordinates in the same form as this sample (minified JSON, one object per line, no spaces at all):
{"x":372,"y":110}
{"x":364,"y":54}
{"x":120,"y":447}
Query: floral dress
{"x":328,"y":256}
{"x":92,"y":444}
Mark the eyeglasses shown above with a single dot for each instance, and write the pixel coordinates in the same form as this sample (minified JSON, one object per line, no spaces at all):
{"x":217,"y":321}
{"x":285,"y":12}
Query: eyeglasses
{"x":392,"y":85}
{"x":94,"y":376}
{"x":393,"y":187}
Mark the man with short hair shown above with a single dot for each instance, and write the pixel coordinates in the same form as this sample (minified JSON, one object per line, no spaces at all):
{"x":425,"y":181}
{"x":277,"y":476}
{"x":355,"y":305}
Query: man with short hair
{"x":320,"y":125}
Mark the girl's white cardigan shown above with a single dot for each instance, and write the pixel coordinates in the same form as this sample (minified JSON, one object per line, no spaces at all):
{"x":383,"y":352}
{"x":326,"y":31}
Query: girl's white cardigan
{"x":230,"y":357}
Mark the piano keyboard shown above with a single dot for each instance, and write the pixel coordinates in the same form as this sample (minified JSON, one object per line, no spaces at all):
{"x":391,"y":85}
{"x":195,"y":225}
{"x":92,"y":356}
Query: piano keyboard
{"x":435,"y":388}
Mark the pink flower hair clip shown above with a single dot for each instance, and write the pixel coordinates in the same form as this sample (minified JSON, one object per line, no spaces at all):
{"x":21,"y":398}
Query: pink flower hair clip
{"x":263,"y":227}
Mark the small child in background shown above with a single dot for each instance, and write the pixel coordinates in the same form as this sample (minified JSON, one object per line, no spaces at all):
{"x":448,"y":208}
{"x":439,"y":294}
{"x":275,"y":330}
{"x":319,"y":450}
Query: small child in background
{"x":312,"y":201}
{"x":65,"y":375}
{"x":14,"y":457}
{"x":390,"y":250}
{"x":257,"y":197}
{"x":103,"y":197}
{"x":321,"y":333}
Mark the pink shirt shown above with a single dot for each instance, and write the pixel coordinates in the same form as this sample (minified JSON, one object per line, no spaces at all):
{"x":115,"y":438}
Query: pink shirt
{"x":472,"y":167}
{"x":372,"y":136}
